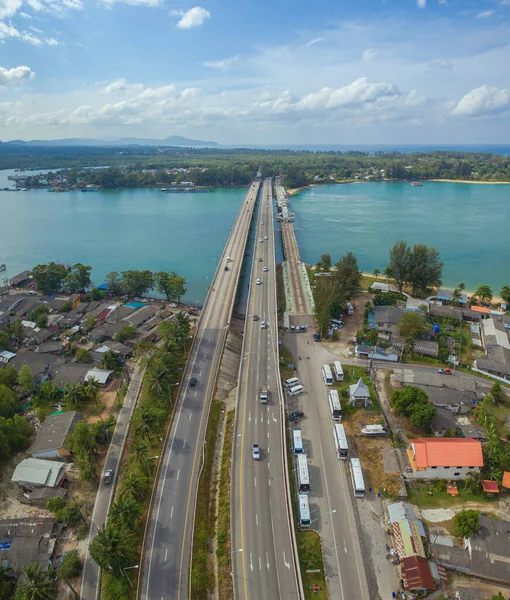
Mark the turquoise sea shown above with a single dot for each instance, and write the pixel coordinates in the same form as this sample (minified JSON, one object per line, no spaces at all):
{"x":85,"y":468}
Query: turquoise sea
{"x":146,"y":229}
{"x":468,"y":223}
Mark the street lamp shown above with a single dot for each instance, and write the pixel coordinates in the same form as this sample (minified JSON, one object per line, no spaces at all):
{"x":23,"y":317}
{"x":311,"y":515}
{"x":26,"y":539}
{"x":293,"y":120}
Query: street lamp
{"x":127,"y":576}
{"x":148,"y":471}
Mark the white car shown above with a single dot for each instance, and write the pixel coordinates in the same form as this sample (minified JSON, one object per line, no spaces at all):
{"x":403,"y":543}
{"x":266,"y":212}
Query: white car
{"x":265,"y":269}
{"x":260,"y":240}
{"x":255,"y":452}
{"x":258,"y":282}
{"x":265,"y":237}
{"x":262,"y":223}
{"x":262,"y":324}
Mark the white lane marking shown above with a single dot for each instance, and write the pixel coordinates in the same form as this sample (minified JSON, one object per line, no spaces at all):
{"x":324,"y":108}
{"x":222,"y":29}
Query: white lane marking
{"x":268,"y":421}
{"x":190,"y":415}
{"x":200,"y":373}
{"x":274,"y":418}
{"x":254,"y":482}
{"x":178,"y":473}
{"x":251,"y":562}
{"x":268,"y":464}
{"x":345,"y":546}
{"x":260,"y":564}
{"x":196,"y":393}
{"x":267,"y":561}
{"x":256,"y":519}
{"x":166,"y":554}
{"x":287,"y":564}
{"x":172,"y":512}
{"x":249,"y":417}
{"x":269,"y":483}
{"x":268,"y":434}
{"x":184,"y":443}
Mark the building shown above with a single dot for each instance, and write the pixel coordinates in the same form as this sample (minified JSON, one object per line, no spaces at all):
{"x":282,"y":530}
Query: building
{"x":417,"y":575}
{"x":33,"y":472}
{"x":422,"y":347}
{"x":445,"y":295}
{"x":141,"y":316}
{"x":100,"y":375}
{"x":70,"y":372}
{"x":386,"y":320}
{"x":5,"y":356}
{"x":29,"y":541}
{"x":51,"y":348}
{"x":50,"y":439}
{"x":375,"y":353}
{"x":359,"y":393}
{"x":444,"y":458}
{"x":407,"y":529}
{"x":21,"y":279}
{"x":41,"y":365}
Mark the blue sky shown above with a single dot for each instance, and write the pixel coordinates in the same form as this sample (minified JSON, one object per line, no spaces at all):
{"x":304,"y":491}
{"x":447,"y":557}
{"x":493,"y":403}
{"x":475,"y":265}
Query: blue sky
{"x":257,"y":71}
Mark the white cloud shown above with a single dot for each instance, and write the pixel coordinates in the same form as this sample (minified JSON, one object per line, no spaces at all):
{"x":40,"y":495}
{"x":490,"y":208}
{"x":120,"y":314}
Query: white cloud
{"x":421,"y":3}
{"x":222,"y":65}
{"x":438,"y":64}
{"x":193,"y":17}
{"x":121,"y":86}
{"x":369,"y":54}
{"x":149,"y":3}
{"x":58,"y":7}
{"x":483,"y":101}
{"x":8,"y":8}
{"x":16,"y":75}
{"x":315,"y":41}
{"x":9,"y":31}
{"x":485,"y":14}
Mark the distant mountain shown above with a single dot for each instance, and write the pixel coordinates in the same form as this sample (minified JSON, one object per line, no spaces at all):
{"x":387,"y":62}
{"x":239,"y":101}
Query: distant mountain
{"x":172,"y":140}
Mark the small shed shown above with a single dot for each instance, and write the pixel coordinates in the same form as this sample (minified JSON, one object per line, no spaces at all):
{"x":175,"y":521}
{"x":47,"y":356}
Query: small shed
{"x":100,"y":375}
{"x":490,"y":487}
{"x":506,"y":480}
{"x":359,"y":393}
{"x":5,"y":356}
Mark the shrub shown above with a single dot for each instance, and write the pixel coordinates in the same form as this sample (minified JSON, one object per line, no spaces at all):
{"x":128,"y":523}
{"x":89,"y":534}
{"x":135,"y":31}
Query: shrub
{"x":467,"y":522}
{"x":71,"y":566}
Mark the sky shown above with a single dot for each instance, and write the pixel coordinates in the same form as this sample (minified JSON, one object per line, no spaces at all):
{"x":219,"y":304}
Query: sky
{"x":257,"y":71}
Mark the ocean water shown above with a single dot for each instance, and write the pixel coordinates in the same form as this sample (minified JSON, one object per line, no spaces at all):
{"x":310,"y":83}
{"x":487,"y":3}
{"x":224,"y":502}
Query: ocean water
{"x":467,"y":223}
{"x":372,"y":148}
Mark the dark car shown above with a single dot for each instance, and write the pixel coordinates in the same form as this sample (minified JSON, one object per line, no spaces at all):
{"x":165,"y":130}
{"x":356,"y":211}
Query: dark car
{"x":255,"y":317}
{"x":193,"y":381}
{"x":226,"y":268}
{"x":295,"y":416}
{"x":317,"y":337}
{"x":108,"y":476}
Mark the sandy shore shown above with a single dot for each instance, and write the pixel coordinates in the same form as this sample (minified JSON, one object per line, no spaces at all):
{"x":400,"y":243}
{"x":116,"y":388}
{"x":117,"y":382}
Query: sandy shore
{"x":468,"y":181}
{"x":292,"y":191}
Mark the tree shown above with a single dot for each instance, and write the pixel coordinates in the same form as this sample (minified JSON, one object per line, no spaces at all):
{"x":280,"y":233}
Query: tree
{"x":324,"y":263}
{"x":17,"y":332}
{"x":127,"y":332}
{"x":83,"y":356}
{"x":484,"y":294}
{"x":113,"y":549}
{"x":147,"y":418}
{"x":71,"y":566}
{"x":92,"y":390}
{"x":37,"y":584}
{"x":171,"y":285}
{"x":505,"y":294}
{"x":9,"y":403}
{"x":376,"y":272}
{"x":40,"y":315}
{"x":7,"y":582}
{"x":411,"y":325}
{"x":346,"y":279}
{"x":467,"y":522}
{"x":134,"y":485}
{"x":73,"y":394}
{"x":26,"y":379}
{"x":48,"y":391}
{"x":8,"y":376}
{"x":456,"y":296}
{"x":159,"y":379}
{"x":78,"y":278}
{"x":497,"y":392}
{"x":498,"y":596}
{"x":323,"y":298}
{"x":137,"y":283}
{"x":422,"y":416}
{"x":398,"y":267}
{"x":424,"y":268}
{"x":5,"y":342}
{"x":49,"y":278}
{"x":414,"y":403}
{"x":111,"y":361}
{"x":114,"y":283}
{"x":124,"y":511}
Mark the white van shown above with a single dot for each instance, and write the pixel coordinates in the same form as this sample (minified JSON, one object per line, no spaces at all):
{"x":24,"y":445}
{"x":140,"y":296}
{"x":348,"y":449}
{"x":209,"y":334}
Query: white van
{"x":288,"y":383}
{"x":294,"y":391}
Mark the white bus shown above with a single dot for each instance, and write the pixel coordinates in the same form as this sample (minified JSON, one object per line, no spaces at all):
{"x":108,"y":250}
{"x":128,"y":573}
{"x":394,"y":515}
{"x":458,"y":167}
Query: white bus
{"x":304,"y":511}
{"x":342,"y":448}
{"x":335,"y":406}
{"x":339,"y":372}
{"x":326,"y":374}
{"x":302,"y":472}
{"x":358,"y":485}
{"x":297,"y":441}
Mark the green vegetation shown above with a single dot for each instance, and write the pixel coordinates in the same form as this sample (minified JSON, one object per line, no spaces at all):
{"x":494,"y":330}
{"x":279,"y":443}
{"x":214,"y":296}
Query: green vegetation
{"x":414,"y":403}
{"x":467,"y":522}
{"x":171,"y":285}
{"x":15,"y":431}
{"x":484,"y":293}
{"x":36,"y":584}
{"x":26,"y":379}
{"x":311,"y":559}
{"x":429,"y":496}
{"x":85,"y":442}
{"x":71,"y":566}
{"x":64,"y":511}
{"x":83,"y":356}
{"x":495,"y":452}
{"x":127,"y":332}
{"x":418,"y":267}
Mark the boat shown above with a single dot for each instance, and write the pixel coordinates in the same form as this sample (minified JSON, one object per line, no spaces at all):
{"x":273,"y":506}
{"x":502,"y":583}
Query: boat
{"x":3,"y":267}
{"x":416,"y":184}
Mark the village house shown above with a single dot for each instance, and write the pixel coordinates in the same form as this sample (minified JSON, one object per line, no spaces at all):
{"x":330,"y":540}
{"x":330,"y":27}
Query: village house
{"x":33,"y":472}
{"x":140,"y":316}
{"x":375,"y":353}
{"x":359,"y":394}
{"x":446,"y":296}
{"x":385,"y":319}
{"x":21,"y":280}
{"x":444,"y":458}
{"x":70,"y":372}
{"x":41,"y":365}
{"x":49,"y":443}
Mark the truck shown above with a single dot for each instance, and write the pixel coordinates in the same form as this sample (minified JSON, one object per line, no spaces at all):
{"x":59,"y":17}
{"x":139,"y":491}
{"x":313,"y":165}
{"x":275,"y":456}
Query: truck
{"x":264,"y":395}
{"x":350,"y":308}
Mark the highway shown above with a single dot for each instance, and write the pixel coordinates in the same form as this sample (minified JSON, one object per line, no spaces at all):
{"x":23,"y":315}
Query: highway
{"x":263,"y":544}
{"x":167,"y":549}
{"x":105,"y":492}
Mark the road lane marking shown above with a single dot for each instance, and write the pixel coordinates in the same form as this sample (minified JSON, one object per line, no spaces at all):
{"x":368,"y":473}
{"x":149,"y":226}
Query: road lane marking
{"x":260,"y":564}
{"x":249,"y":417}
{"x":254,"y":482}
{"x":257,"y":519}
{"x":190,"y":415}
{"x":287,"y":564}
{"x":184,"y":443}
{"x":251,"y":562}
{"x":172,"y":512}
{"x":196,"y":393}
{"x":178,"y":473}
{"x":166,"y":554}
{"x":267,"y":561}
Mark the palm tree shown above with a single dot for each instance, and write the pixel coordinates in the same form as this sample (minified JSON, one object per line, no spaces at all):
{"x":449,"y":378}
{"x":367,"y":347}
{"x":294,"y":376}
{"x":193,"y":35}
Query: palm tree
{"x":456,"y":295}
{"x":147,"y":418}
{"x":140,"y":452}
{"x":125,"y":510}
{"x":113,"y":549}
{"x":48,"y":391}
{"x":376,"y":273}
{"x":73,"y":393}
{"x":92,"y":390}
{"x":134,"y":485}
{"x":38,"y":584}
{"x":484,"y":293}
{"x":159,"y":380}
{"x":182,"y":319}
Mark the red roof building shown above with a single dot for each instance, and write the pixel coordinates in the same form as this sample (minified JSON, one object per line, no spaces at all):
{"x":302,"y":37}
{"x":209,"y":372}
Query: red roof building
{"x":490,"y":487}
{"x":445,"y":458}
{"x":416,"y":574}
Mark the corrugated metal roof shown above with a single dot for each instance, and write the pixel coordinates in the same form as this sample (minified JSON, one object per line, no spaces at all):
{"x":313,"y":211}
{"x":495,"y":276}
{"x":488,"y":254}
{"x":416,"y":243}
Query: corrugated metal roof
{"x":39,"y":472}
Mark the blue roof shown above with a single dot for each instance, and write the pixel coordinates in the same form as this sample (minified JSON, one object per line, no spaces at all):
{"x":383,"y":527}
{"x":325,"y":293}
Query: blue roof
{"x":103,"y":286}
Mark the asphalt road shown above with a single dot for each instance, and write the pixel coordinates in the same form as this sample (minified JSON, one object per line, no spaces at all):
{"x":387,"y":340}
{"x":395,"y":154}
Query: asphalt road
{"x":263,"y":544}
{"x":331,"y":498}
{"x":105,"y":493}
{"x":167,"y":551}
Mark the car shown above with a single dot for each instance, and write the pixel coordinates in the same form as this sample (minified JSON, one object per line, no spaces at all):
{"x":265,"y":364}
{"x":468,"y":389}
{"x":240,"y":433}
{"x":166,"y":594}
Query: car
{"x":226,"y":268}
{"x":255,"y":317}
{"x":255,"y":452}
{"x":317,"y":337}
{"x":265,"y":237}
{"x":258,"y":282}
{"x":108,"y":476}
{"x":262,"y":324}
{"x":193,"y":381}
{"x":260,"y":260}
{"x":303,"y":328}
{"x":446,"y":371}
{"x":296,"y":415}
{"x":260,"y":240}
{"x":265,"y":269}
{"x":262,"y":223}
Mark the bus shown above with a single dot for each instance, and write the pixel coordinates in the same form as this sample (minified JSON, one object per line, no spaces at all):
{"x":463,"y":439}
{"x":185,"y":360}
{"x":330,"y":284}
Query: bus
{"x":335,"y":406}
{"x":304,"y":511}
{"x":297,"y":441}
{"x":302,"y":472}
{"x":342,"y":448}
{"x":339,"y":372}
{"x":326,"y":374}
{"x":358,"y":485}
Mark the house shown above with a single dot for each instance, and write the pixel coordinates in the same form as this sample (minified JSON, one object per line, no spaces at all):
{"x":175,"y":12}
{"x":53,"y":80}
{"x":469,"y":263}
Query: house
{"x":422,"y":347}
{"x":140,"y":316}
{"x":50,"y":439}
{"x":495,"y":334}
{"x":444,"y":458}
{"x":381,"y":286}
{"x":122,"y":349}
{"x":41,"y":365}
{"x":120,"y":312}
{"x":106,"y":331}
{"x":38,"y":496}
{"x":485,"y":555}
{"x":100,"y":375}
{"x":70,"y":372}
{"x":386,"y":319}
{"x":5,"y":356}
{"x":56,"y":303}
{"x":33,"y":472}
{"x":443,"y":421}
{"x":21,"y":279}
{"x":445,"y":295}
{"x":407,"y":529}
{"x":497,"y":362}
{"x":359,"y":393}
{"x":28,"y":541}
{"x":51,"y":348}
{"x":416,"y":574}
{"x":375,"y":353}
{"x":8,"y":304}
{"x":75,"y":300}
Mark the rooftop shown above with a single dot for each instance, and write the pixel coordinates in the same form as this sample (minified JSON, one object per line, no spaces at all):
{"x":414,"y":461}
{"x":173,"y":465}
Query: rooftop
{"x":416,"y":573}
{"x":39,"y":472}
{"x":70,"y":372}
{"x":27,"y":541}
{"x":447,"y":452}
{"x":53,"y":431}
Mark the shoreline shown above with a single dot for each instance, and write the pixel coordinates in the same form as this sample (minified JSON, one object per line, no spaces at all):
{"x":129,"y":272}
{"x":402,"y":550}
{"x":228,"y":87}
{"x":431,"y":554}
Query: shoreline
{"x":469,"y":181}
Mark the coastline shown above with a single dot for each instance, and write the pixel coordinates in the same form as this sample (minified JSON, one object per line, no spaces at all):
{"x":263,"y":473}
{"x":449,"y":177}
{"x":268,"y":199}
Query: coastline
{"x":292,"y":191}
{"x":469,"y":181}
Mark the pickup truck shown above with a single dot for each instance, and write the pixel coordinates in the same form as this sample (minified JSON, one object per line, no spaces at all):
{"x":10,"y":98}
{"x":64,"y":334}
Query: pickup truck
{"x":264,"y":394}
